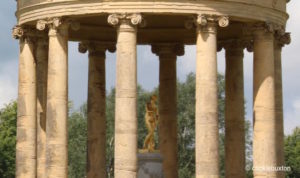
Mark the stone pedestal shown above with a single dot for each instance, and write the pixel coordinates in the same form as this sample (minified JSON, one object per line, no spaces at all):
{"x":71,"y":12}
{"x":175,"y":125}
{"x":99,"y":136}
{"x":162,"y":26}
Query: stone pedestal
{"x":150,"y":165}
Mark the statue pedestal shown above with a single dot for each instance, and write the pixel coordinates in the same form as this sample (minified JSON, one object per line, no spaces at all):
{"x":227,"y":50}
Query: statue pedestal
{"x":150,"y":165}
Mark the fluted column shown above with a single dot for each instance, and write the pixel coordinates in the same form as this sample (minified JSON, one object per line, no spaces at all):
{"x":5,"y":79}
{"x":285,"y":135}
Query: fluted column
{"x":234,"y":111}
{"x":207,"y":130}
{"x":264,"y":114}
{"x":41,"y":69}
{"x":96,"y":144}
{"x":126,"y":95}
{"x":280,"y":41}
{"x":168,"y":106}
{"x":26,"y":121}
{"x":57,"y":98}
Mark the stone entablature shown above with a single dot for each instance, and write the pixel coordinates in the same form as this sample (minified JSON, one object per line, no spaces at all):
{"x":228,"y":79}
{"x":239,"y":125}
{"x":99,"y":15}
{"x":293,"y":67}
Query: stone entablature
{"x":276,"y":4}
{"x":243,"y":10}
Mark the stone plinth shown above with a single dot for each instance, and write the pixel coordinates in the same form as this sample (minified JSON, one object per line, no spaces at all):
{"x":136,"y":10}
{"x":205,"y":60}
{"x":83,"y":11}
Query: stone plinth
{"x":150,"y":165}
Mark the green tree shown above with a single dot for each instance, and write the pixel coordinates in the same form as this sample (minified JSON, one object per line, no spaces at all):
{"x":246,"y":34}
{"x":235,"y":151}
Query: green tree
{"x":186,"y":124}
{"x":110,"y":124}
{"x":186,"y":127}
{"x":292,"y":153}
{"x":8,"y":118}
{"x":77,"y":130}
{"x":77,"y":139}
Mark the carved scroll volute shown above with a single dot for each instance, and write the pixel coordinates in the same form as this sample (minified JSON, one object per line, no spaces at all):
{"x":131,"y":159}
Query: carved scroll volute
{"x":202,"y":20}
{"x":133,"y":19}
{"x":25,"y":33}
{"x":57,"y":23}
{"x":223,"y":21}
{"x":282,"y":40}
{"x":17,"y":32}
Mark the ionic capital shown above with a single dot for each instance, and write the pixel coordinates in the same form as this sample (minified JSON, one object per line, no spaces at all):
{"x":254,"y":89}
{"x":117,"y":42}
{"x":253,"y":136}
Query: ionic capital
{"x":167,"y":49}
{"x":266,"y":30}
{"x":26,"y":33}
{"x":205,"y":20}
{"x":282,"y":39}
{"x":17,"y":32}
{"x":131,"y":19}
{"x":57,"y":23}
{"x":234,"y":47}
{"x":249,"y":45}
{"x":96,"y":48}
{"x":236,"y":44}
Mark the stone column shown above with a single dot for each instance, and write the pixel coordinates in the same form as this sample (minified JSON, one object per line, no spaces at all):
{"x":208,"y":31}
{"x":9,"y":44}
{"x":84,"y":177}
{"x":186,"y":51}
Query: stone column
{"x":234,"y":111}
{"x":26,"y":121}
{"x":41,"y":69}
{"x":96,"y":144}
{"x":126,"y":95}
{"x":57,"y":98}
{"x":264,"y":111}
{"x":281,"y":40}
{"x":207,"y":129}
{"x":168,"y":106}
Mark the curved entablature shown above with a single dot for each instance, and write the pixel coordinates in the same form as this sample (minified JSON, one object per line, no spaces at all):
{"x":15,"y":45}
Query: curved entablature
{"x":243,"y":10}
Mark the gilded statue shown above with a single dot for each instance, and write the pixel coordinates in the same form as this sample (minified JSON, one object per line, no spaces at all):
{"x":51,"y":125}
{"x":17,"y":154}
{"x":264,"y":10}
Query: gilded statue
{"x":151,"y":121}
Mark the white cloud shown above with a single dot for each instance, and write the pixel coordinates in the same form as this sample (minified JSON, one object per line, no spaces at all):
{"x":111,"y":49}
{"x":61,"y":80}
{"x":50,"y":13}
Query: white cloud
{"x":8,"y":82}
{"x":292,"y":117}
{"x":296,"y":104}
{"x":187,"y":63}
{"x":7,"y":91}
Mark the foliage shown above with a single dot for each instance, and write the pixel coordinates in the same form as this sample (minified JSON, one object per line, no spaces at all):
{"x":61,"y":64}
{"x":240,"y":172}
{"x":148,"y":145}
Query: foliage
{"x":8,"y":118}
{"x":110,"y":124}
{"x":77,"y":138}
{"x":186,"y":126}
{"x":77,"y":134}
{"x":292,"y":153}
{"x":248,"y":139}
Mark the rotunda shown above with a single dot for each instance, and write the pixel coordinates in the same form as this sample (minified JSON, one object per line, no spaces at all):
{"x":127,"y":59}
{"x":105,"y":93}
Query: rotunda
{"x":44,"y":28}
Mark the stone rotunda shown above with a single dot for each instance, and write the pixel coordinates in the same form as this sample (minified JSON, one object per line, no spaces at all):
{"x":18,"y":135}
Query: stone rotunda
{"x":44,"y":29}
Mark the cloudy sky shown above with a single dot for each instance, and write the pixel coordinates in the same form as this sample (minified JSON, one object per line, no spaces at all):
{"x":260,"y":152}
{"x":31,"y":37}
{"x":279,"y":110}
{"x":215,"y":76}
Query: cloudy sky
{"x":148,"y":67}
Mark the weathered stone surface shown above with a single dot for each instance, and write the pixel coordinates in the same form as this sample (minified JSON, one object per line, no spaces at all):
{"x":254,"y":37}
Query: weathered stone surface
{"x":26,"y":122}
{"x":42,"y":75}
{"x":126,"y":98}
{"x":96,"y":143}
{"x":57,"y":103}
{"x":168,"y":106}
{"x":264,"y":113}
{"x":234,"y":112}
{"x":207,"y":129}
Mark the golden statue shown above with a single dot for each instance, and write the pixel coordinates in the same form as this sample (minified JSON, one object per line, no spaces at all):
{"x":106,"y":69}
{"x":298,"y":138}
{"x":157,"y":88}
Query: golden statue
{"x":151,"y":121}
